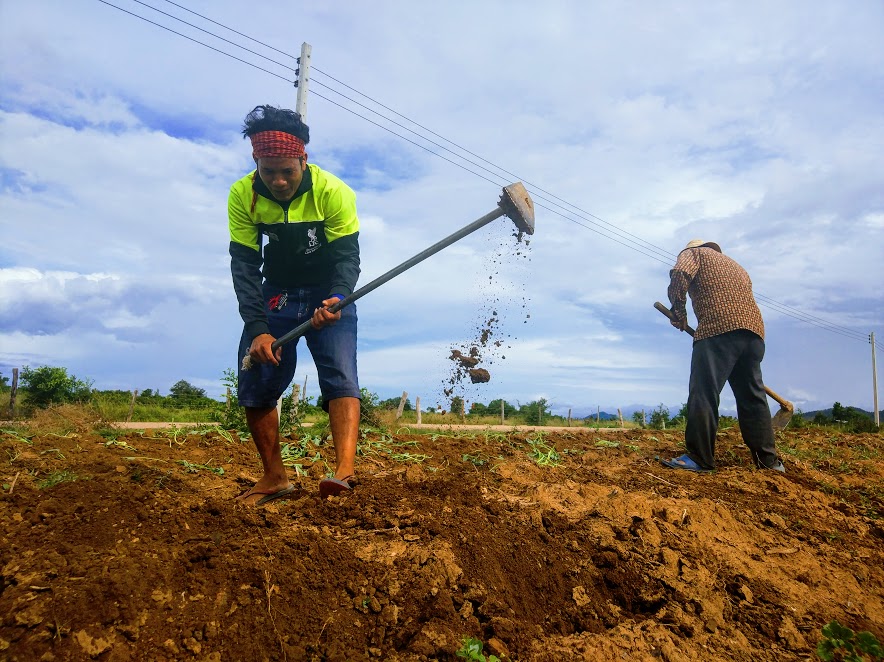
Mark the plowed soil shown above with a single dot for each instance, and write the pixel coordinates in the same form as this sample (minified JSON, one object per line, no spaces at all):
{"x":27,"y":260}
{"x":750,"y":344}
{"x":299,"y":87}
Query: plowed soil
{"x":119,"y":545}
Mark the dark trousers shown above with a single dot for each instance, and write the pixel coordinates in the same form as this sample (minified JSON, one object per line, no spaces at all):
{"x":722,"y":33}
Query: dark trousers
{"x":735,"y":358}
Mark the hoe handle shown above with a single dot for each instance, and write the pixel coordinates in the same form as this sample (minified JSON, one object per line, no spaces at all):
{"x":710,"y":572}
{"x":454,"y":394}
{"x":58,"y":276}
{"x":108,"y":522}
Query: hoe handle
{"x":785,"y":404}
{"x":299,"y":331}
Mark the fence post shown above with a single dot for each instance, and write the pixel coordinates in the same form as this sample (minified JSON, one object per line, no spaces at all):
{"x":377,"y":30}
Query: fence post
{"x":417,"y":407}
{"x":644,"y":418}
{"x":501,"y":411}
{"x":304,"y":390}
{"x":463,"y":411}
{"x":620,"y":416}
{"x":569,"y":417}
{"x":296,"y":394}
{"x":598,"y":415}
{"x":12,"y":393}
{"x":229,"y":398}
{"x":132,"y":405}
{"x":401,"y":404}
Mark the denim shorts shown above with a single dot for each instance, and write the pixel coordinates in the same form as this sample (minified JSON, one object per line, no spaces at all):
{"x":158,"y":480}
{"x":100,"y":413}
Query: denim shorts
{"x":333,"y":349}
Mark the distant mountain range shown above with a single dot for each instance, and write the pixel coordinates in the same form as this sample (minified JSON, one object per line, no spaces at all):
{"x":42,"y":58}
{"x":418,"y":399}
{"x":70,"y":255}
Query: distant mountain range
{"x":629,"y":410}
{"x":828,"y":413}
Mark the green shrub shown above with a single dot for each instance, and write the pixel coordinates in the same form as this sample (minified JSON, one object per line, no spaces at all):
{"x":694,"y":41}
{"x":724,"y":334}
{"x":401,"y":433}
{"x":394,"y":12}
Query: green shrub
{"x":842,"y":643}
{"x":48,"y":385}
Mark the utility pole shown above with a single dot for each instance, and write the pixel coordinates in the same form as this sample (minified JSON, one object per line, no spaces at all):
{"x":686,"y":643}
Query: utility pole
{"x":303,"y":80}
{"x":874,"y":380}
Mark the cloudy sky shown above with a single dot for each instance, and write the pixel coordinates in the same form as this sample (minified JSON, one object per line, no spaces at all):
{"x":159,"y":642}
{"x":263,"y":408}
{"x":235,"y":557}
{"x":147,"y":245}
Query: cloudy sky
{"x":636,"y":127}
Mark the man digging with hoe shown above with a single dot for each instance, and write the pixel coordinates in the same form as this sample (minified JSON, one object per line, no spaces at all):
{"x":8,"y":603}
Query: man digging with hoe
{"x":728,"y":347}
{"x":310,"y":262}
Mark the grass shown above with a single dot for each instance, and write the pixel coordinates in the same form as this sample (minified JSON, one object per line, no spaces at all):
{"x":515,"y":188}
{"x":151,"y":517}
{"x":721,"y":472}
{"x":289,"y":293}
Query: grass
{"x":544,"y":454}
{"x":192,"y":468}
{"x":56,"y":478}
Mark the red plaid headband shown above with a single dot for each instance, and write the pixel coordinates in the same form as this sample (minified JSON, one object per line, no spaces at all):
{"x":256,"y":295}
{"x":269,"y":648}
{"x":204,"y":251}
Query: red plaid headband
{"x":276,"y":143}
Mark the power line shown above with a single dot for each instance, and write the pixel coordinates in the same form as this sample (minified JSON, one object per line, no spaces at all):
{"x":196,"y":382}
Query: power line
{"x":631,"y":241}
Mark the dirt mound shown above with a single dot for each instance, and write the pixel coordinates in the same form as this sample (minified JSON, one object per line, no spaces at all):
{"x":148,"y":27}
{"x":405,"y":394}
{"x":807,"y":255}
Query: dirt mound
{"x":127,"y":546}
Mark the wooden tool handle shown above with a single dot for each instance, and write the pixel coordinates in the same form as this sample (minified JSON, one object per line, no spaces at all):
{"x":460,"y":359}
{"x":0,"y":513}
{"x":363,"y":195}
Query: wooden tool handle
{"x":663,"y":309}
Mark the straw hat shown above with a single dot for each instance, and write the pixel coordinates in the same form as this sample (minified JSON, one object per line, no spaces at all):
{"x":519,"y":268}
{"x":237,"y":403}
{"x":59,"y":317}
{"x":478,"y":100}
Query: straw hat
{"x":697,"y":243}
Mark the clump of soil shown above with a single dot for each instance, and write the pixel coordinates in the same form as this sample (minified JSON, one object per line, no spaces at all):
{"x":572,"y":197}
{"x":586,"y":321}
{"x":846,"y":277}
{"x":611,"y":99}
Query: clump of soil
{"x":132,"y":547}
{"x":465,"y":361}
{"x":479,"y":376}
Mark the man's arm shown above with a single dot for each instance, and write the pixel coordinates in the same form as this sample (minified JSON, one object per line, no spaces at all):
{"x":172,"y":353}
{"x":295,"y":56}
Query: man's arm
{"x":245,"y":267}
{"x":342,"y":233}
{"x":680,"y":277}
{"x":678,"y":289}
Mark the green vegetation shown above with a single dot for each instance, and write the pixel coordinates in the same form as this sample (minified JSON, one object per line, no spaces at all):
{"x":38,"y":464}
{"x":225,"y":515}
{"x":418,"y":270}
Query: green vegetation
{"x":47,"y":385}
{"x":544,"y":454}
{"x":192,"y":468}
{"x":472,"y":649}
{"x":842,"y":643}
{"x":849,"y":419}
{"x":55,"y":478}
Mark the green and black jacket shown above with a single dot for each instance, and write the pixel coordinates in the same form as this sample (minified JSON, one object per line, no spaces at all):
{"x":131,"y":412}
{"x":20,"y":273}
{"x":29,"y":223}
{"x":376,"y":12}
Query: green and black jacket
{"x":311,"y":240}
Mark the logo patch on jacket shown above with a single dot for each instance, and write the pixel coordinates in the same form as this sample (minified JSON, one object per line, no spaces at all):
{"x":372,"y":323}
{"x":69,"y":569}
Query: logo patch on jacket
{"x":312,"y":241}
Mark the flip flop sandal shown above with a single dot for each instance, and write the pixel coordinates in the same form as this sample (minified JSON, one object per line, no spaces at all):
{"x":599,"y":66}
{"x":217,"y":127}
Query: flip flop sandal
{"x":333,"y":487}
{"x":686,"y":463}
{"x":268,"y":496}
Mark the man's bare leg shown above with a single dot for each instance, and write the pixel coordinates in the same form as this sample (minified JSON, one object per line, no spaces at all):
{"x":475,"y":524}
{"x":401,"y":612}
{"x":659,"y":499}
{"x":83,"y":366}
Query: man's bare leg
{"x":343,"y":417}
{"x":264,"y":427}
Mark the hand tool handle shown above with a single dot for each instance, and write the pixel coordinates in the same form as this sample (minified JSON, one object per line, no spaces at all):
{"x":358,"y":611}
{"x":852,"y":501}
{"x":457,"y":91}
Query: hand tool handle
{"x":780,"y":400}
{"x":299,"y":331}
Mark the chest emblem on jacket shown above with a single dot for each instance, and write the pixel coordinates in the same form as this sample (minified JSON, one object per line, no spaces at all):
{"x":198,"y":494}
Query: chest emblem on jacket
{"x":312,"y":241}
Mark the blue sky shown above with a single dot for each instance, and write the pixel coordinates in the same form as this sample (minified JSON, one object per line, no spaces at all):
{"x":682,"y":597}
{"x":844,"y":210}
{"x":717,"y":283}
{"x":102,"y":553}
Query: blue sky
{"x":754,"y":124}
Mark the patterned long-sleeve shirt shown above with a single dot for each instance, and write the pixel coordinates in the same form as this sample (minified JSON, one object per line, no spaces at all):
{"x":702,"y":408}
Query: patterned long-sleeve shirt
{"x":720,"y":291}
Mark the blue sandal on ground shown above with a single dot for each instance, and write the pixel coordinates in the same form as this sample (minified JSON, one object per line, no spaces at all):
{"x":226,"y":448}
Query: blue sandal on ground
{"x":686,"y":463}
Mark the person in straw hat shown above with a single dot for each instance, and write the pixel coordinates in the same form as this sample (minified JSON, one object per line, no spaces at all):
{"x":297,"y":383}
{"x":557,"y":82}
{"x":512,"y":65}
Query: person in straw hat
{"x":310,"y":261}
{"x":728,"y":347}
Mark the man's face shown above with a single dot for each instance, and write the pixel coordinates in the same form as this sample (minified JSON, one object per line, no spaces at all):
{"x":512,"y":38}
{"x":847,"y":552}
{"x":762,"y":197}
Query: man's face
{"x":282,"y":175}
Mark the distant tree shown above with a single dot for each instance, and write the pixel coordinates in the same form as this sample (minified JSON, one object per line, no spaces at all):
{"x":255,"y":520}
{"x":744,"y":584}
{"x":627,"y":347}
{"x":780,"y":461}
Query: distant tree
{"x":535,"y":411}
{"x":660,"y":417}
{"x":4,"y":384}
{"x":49,"y":385}
{"x":392,"y":404}
{"x":639,"y":418}
{"x":183,"y":390}
{"x":478,"y":409}
{"x":508,"y":409}
{"x":840,"y":413}
{"x":682,"y":416}
{"x":456,"y":405}
{"x":821,"y":419}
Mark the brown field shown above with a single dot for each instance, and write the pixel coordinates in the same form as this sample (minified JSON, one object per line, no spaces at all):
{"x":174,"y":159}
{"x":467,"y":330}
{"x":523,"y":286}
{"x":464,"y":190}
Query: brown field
{"x":120,"y":545}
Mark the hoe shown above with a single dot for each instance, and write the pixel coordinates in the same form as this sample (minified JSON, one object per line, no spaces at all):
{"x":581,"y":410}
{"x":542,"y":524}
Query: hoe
{"x":515,"y":203}
{"x":782,"y":417}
